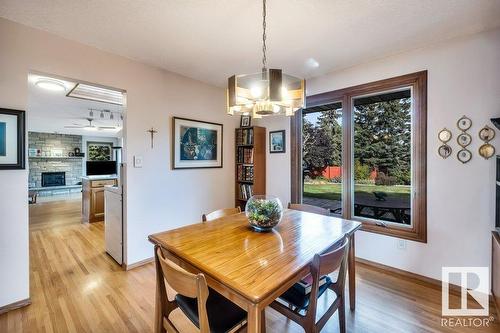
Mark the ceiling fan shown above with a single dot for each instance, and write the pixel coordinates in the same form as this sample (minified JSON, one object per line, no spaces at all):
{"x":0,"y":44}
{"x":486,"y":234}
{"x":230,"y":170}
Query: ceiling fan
{"x":91,"y":126}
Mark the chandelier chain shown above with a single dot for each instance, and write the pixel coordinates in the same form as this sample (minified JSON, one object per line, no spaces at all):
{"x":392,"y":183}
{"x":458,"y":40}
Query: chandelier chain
{"x":264,"y":37}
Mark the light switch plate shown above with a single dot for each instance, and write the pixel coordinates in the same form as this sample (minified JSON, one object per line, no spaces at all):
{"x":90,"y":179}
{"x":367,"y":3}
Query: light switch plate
{"x":137,"y":161}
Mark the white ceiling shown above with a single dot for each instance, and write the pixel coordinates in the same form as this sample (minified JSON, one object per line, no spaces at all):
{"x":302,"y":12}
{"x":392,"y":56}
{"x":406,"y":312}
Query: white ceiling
{"x":51,"y":111}
{"x":210,"y":40}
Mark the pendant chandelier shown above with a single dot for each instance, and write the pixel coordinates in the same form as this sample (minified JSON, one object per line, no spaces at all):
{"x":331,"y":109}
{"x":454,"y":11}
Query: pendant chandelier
{"x":269,"y":92}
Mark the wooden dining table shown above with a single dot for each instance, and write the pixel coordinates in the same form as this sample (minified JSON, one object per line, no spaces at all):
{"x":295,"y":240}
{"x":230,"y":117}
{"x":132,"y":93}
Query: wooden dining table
{"x":252,"y":269}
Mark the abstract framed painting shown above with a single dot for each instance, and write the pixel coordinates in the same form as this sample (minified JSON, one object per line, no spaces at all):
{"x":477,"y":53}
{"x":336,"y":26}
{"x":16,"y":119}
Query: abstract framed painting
{"x":12,"y":134}
{"x":196,"y":144}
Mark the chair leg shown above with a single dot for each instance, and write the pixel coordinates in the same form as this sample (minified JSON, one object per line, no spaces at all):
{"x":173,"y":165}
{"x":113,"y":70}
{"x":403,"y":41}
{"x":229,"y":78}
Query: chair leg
{"x":341,"y":311}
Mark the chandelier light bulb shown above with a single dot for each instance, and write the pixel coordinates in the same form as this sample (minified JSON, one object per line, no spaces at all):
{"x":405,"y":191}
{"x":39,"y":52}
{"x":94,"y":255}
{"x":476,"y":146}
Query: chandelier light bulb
{"x":255,"y":92}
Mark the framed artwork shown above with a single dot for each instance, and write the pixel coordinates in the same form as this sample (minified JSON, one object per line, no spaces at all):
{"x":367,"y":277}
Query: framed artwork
{"x":277,"y":142}
{"x":246,"y":121}
{"x":12,"y":136}
{"x":99,"y":151}
{"x":196,"y":144}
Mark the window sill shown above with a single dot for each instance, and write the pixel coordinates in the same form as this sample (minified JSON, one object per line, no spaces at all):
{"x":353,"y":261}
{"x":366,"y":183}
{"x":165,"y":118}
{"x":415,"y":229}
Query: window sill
{"x":404,"y":232}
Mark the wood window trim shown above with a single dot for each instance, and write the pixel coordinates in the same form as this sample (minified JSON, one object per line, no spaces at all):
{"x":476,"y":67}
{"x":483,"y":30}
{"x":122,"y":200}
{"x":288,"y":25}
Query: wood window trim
{"x":418,"y":82}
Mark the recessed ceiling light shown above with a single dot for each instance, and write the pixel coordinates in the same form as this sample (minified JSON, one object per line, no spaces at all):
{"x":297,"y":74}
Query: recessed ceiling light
{"x":50,"y":84}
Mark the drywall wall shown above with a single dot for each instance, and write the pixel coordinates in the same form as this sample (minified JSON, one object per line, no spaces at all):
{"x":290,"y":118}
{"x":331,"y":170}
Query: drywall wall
{"x":462,"y":80}
{"x":158,"y":197}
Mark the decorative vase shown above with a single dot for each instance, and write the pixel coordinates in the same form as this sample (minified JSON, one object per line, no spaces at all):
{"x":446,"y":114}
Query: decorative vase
{"x":264,"y":212}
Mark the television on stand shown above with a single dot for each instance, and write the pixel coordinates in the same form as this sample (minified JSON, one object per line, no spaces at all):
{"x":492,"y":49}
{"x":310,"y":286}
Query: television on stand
{"x":101,"y":168}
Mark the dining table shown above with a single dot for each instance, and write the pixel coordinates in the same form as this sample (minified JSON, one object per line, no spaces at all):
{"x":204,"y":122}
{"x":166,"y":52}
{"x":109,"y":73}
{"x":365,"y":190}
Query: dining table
{"x":251,"y":268}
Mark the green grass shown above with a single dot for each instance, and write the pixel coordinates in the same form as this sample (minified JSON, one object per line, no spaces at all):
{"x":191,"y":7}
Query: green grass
{"x":333,"y":191}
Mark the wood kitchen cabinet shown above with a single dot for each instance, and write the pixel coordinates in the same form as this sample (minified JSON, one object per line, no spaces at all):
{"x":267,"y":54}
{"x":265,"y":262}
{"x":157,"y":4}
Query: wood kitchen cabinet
{"x":93,"y":198}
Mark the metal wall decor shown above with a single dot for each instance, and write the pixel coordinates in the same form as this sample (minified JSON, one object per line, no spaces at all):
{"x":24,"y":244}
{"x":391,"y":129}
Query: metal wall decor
{"x":464,"y":123}
{"x":486,"y":150}
{"x":444,"y":136}
{"x":464,"y":139}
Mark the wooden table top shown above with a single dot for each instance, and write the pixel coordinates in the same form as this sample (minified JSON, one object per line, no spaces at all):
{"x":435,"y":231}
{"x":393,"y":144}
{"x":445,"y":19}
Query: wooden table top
{"x":251,"y":263}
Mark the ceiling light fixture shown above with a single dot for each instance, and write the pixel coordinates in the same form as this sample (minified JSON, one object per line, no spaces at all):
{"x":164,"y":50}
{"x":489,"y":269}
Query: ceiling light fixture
{"x":269,"y":92}
{"x":50,"y":84}
{"x":95,"y":93}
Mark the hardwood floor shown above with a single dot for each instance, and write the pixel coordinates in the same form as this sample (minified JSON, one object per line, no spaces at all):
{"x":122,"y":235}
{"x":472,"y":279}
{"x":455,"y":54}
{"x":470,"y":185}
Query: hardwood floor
{"x":77,"y":287}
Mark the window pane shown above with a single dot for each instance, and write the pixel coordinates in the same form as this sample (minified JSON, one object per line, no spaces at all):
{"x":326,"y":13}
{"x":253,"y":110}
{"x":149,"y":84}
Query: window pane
{"x":322,"y":157}
{"x":382,"y":156}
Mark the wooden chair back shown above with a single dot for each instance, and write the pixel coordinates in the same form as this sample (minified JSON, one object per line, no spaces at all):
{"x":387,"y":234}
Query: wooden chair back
{"x":309,"y":209}
{"x":184,"y":283}
{"x":220,"y":213}
{"x":322,"y":264}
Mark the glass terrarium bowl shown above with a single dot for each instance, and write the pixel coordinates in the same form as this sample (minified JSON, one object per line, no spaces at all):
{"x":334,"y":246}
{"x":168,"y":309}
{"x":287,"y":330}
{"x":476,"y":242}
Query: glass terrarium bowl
{"x":264,"y":212}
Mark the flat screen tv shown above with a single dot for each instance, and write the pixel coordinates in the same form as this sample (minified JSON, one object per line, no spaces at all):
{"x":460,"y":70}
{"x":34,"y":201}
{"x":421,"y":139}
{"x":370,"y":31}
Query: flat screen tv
{"x":98,"y":168}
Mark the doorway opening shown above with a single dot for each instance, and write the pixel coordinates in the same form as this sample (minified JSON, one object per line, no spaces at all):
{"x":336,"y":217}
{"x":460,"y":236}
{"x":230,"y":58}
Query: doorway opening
{"x":75,"y":144}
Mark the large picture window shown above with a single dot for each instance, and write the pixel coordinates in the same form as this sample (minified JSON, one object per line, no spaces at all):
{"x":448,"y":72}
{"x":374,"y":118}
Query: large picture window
{"x":361,"y":153}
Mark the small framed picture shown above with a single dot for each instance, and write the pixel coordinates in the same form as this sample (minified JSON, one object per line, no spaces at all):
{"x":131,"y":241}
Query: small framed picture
{"x":246,"y":121}
{"x":277,"y":142}
{"x":12,"y":134}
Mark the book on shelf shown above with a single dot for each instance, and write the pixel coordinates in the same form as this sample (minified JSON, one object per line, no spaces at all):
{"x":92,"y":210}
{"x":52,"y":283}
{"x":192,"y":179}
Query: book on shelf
{"x":244,"y":136}
{"x":245,"y":173}
{"x":245,"y":155}
{"x":304,"y":286}
{"x":245,"y":191}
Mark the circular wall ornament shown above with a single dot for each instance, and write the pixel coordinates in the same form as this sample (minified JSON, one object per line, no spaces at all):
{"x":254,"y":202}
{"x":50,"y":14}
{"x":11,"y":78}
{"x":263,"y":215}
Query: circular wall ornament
{"x":464,"y":155}
{"x":486,"y":151}
{"x":444,"y":135}
{"x":444,"y":151}
{"x":464,"y":123}
{"x":464,"y":139}
{"x":486,"y":134}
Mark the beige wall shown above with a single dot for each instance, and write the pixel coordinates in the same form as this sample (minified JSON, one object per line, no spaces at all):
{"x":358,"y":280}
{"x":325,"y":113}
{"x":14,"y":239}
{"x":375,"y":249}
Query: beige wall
{"x":158,"y":198}
{"x":463,"y":79}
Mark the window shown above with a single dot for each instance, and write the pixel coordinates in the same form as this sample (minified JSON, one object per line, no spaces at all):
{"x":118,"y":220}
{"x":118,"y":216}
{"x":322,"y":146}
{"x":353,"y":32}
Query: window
{"x":322,"y":157}
{"x":99,"y":151}
{"x":361,"y":152}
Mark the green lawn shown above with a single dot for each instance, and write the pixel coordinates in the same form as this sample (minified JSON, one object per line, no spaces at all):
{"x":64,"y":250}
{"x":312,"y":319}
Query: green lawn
{"x":333,"y":191}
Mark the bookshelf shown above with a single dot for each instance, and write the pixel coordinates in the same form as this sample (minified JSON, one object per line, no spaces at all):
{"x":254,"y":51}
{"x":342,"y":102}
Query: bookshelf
{"x":250,"y":154}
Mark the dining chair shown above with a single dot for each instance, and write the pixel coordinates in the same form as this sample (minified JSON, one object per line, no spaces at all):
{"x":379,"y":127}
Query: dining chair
{"x":220,"y":213}
{"x":299,"y":303}
{"x":209,"y":311}
{"x":309,"y":209}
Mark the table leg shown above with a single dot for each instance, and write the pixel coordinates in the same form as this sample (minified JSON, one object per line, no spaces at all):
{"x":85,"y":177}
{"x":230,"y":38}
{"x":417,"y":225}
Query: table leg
{"x":263,"y":321}
{"x":352,"y":272}
{"x":254,"y":319}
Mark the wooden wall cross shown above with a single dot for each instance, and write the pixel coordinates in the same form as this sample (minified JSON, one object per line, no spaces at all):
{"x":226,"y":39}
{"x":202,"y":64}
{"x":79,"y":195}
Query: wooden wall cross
{"x":152,"y":131}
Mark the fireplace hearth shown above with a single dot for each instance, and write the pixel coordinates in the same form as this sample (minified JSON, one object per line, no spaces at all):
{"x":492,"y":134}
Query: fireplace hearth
{"x":53,"y":179}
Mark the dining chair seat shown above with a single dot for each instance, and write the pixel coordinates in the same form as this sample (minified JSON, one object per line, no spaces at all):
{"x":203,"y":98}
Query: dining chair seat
{"x":223,"y":315}
{"x":296,"y":297}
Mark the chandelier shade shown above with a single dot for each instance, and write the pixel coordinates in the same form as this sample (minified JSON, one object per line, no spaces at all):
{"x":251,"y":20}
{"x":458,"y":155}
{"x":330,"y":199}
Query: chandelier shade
{"x":269,"y":92}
